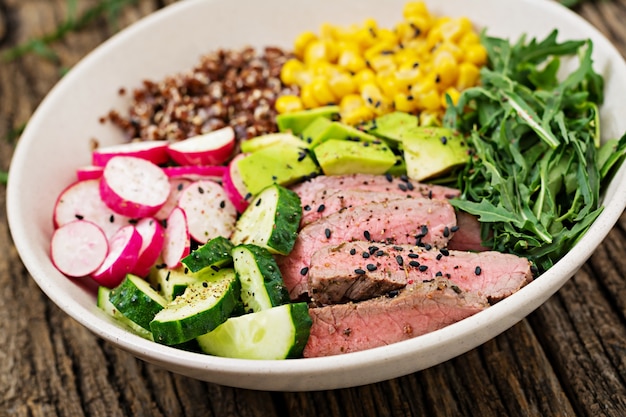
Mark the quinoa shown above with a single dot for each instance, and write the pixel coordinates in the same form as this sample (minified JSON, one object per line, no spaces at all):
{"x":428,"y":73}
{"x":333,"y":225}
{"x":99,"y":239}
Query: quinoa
{"x":236,"y":87}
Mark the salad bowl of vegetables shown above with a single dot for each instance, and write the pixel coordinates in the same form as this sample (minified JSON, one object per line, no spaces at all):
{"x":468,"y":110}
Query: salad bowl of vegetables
{"x":533,"y":98}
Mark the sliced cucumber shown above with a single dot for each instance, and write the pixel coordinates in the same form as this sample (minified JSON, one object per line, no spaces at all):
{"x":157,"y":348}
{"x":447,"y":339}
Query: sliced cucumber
{"x":201,"y":308}
{"x":107,"y":306}
{"x":271,"y":220}
{"x":137,"y":300}
{"x":214,"y":254}
{"x":262,"y":285}
{"x":277,"y":333}
{"x":171,"y":283}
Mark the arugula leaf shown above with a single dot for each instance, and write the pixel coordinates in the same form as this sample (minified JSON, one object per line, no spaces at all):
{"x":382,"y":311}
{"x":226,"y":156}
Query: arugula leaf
{"x":537,"y":168}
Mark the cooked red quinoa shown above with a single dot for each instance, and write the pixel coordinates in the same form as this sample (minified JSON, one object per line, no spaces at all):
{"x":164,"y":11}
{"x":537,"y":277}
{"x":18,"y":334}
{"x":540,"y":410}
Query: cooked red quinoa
{"x":227,"y":87}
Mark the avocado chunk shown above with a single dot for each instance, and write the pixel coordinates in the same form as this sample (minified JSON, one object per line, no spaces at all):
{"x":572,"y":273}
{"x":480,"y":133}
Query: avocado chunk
{"x":296,"y":122}
{"x":315,"y":130}
{"x":276,"y":164}
{"x":430,"y":152}
{"x":260,"y":142}
{"x":392,"y":125}
{"x":338,"y":156}
{"x":338,"y":130}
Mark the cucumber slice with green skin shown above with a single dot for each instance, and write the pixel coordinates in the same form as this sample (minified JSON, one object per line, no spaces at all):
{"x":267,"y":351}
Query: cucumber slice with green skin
{"x":137,"y":300}
{"x":277,"y":333}
{"x":262,"y":285}
{"x":271,"y":220}
{"x":216,"y":253}
{"x":171,"y":283}
{"x":201,"y":308}
{"x":104,"y":304}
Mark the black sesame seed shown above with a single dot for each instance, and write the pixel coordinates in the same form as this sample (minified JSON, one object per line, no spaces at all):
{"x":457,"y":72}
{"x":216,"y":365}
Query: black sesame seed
{"x":248,"y":196}
{"x":367,"y":236}
{"x":413,"y":255}
{"x":414,"y":264}
{"x":373,"y":249}
{"x":371,"y":267}
{"x":399,"y":260}
{"x":389,"y":177}
{"x":478,"y":270}
{"x":423,"y":268}
{"x":327,"y":233}
{"x":365,"y":255}
{"x":444,"y":140}
{"x":215,"y":268}
{"x":79,"y":216}
{"x":428,"y":246}
{"x":410,"y":186}
{"x":205,"y":284}
{"x":380,"y":253}
{"x":402,"y":187}
{"x":398,"y":248}
{"x":223,"y":204}
{"x":112,"y":218}
{"x":444,"y":252}
{"x":321,"y":208}
{"x":307,"y":208}
{"x":439,"y":256}
{"x":201,"y":190}
{"x":446,"y":232}
{"x":456,"y":289}
{"x":359,"y":271}
{"x":454,"y":228}
{"x":304,"y":270}
{"x":352,"y":251}
{"x":439,"y":274}
{"x":258,"y":202}
{"x":393,"y":293}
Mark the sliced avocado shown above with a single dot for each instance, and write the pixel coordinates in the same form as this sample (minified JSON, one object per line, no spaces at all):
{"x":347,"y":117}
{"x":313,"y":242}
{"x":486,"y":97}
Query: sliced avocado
{"x":315,"y":129}
{"x":276,"y":164}
{"x":337,"y":156}
{"x":399,"y":168}
{"x":338,"y":130}
{"x":432,"y":151}
{"x":392,"y":125}
{"x":296,"y":122}
{"x":260,"y":142}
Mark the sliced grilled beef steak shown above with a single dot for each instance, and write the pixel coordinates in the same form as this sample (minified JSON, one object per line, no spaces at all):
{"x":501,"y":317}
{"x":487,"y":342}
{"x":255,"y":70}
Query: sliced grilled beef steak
{"x":468,"y":233}
{"x":403,"y":221}
{"x":357,"y":271}
{"x":310,"y":191}
{"x":417,"y":309}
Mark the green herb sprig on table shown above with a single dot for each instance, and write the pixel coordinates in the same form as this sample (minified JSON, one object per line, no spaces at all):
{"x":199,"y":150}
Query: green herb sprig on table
{"x":537,"y":167}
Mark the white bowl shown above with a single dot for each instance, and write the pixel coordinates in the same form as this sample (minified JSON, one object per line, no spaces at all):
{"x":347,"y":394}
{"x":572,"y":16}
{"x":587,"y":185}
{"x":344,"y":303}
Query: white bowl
{"x":56,"y":141}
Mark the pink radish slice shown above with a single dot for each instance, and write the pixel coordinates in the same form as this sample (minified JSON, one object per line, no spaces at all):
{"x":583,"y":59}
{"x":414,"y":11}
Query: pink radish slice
{"x":153,"y":151}
{"x":81,"y":201}
{"x":196,"y":172}
{"x":78,"y":248}
{"x":208,"y":209}
{"x":234,"y":187}
{"x":213,"y":148}
{"x":124,"y":248}
{"x":177,"y":243}
{"x":90,"y":172}
{"x":152,"y":237}
{"x":177,"y":185}
{"x":134,"y":187}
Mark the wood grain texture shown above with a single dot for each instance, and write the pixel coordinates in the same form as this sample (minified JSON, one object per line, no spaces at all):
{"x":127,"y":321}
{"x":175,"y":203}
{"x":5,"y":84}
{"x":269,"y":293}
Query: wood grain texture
{"x":567,"y":359}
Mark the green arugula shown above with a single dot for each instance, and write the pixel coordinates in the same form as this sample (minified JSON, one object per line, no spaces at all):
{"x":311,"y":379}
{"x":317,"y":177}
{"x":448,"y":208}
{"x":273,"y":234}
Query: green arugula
{"x":537,"y":167}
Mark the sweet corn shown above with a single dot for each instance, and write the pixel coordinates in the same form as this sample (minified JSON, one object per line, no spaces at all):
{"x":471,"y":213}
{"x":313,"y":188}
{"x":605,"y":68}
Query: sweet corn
{"x":288,"y":104}
{"x":371,"y":70}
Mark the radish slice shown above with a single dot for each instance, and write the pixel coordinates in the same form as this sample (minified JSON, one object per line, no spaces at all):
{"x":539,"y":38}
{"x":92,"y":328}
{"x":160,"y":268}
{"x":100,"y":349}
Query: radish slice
{"x":124,"y":248}
{"x":196,"y":172}
{"x":213,"y":148}
{"x":152,"y":238}
{"x":208,"y":209}
{"x":78,"y":248}
{"x":153,"y":151}
{"x":177,"y":243}
{"x":177,"y":185}
{"x":234,"y":187}
{"x":90,"y":172}
{"x":81,"y":201}
{"x":133,"y":186}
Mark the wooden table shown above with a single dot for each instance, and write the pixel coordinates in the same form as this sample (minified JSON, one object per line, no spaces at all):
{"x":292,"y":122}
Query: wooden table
{"x":567,"y":358}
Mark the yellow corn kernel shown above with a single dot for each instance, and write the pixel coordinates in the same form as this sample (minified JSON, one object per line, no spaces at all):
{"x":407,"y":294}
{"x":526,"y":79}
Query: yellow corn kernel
{"x":374,"y":99}
{"x":404,"y":57}
{"x":321,"y":91}
{"x":328,"y":31}
{"x":404,"y":102}
{"x":350,"y":102}
{"x":445,"y":69}
{"x":453,"y":29}
{"x":405,"y":78}
{"x":415,"y":8}
{"x":350,"y":60}
{"x":323,"y":68}
{"x":288,"y":104}
{"x":381,"y":63}
{"x":469,"y":38}
{"x":452,"y":48}
{"x":388,"y":84}
{"x":421,"y":25}
{"x":454,"y":96}
{"x":429,"y":100}
{"x":476,"y":54}
{"x":307,"y":97}
{"x":423,"y":89}
{"x":386,"y":36}
{"x":319,"y":50}
{"x":356,"y":116}
{"x":379,"y":48}
{"x":290,"y":70}
{"x":341,"y":84}
{"x":301,"y":43}
{"x":363,"y":77}
{"x":468,"y":76}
